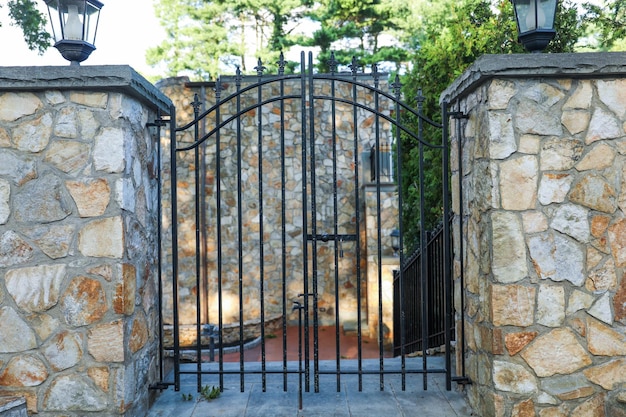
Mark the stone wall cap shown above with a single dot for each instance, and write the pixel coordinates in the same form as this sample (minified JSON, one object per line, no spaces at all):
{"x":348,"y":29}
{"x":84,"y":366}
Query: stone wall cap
{"x":570,"y":65}
{"x":120,"y":78}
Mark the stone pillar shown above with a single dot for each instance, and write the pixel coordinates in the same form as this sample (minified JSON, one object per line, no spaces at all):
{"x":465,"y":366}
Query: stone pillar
{"x":543,"y":174}
{"x":78,"y":252}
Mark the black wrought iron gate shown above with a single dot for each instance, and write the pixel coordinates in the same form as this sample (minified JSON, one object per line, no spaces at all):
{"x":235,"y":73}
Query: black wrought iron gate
{"x":285,"y":205}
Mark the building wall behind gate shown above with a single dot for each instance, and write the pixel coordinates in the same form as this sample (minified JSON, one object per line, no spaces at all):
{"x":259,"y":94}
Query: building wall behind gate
{"x":347,"y":159}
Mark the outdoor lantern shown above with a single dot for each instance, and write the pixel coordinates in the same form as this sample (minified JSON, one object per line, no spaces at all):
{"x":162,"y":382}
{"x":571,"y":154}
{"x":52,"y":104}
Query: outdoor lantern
{"x":395,"y":241}
{"x":74,"y":25}
{"x":535,"y":23}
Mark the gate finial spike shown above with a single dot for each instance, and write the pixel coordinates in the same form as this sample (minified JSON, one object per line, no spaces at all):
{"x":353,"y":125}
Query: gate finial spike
{"x":332,"y":63}
{"x":375,"y":72}
{"x":260,"y":68}
{"x":354,"y":66}
{"x":281,"y":64}
{"x":420,"y":97}
{"x":238,"y":76}
{"x":397,"y":86}
{"x":196,"y":104}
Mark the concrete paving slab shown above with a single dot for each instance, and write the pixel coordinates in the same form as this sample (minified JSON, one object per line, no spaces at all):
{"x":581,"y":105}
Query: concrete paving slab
{"x":351,"y":401}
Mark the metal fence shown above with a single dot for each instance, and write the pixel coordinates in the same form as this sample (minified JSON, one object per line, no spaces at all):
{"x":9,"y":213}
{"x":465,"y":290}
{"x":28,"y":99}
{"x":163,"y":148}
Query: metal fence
{"x":423,"y":297}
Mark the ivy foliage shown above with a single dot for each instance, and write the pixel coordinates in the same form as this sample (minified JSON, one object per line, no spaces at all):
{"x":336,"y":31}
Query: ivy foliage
{"x":454,"y":35}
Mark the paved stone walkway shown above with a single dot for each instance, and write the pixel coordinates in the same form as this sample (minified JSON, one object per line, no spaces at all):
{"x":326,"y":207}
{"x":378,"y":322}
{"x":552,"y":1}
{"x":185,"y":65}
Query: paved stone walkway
{"x":370,"y":402}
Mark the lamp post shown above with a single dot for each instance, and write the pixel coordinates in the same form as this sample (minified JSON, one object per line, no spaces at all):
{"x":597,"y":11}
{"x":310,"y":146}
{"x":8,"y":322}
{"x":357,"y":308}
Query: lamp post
{"x":74,"y":25}
{"x":535,"y":23}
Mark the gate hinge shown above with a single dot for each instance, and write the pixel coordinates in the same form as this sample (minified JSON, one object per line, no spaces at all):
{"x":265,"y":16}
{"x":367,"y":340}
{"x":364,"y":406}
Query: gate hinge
{"x":458,"y":115}
{"x":157,"y":123}
{"x":159,"y":386}
{"x":462,"y":380}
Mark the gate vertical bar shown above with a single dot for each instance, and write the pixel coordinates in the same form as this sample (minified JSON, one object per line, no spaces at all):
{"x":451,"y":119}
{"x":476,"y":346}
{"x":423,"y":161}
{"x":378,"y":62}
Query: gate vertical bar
{"x":316,"y":365}
{"x":196,"y":133}
{"x":379,"y":270}
{"x":305,"y":221}
{"x":283,"y":214}
{"x":333,"y":66}
{"x":173,"y":176}
{"x":446,"y":245}
{"x":423,"y":240}
{"x":259,"y":69}
{"x":218,"y":227}
{"x":160,"y":241}
{"x":461,"y":241}
{"x":397,"y":90}
{"x":240,"y":232}
{"x":354,"y":68}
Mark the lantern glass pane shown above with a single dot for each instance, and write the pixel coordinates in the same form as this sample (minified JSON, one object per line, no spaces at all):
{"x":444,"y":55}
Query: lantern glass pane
{"x":525,"y":15}
{"x":546,"y":14}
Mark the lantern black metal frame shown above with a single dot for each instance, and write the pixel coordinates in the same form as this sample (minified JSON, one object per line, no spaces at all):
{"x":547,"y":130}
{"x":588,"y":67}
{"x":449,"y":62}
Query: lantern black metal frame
{"x":75,"y":49}
{"x":533,"y":33}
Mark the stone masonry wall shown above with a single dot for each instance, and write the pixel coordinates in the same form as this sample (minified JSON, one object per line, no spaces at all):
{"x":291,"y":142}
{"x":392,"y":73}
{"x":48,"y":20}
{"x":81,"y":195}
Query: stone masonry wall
{"x":78,"y":227}
{"x":543,"y":168}
{"x":182,"y":94}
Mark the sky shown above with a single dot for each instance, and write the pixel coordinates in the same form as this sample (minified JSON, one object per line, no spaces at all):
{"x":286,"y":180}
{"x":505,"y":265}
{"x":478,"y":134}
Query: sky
{"x":126,"y":29}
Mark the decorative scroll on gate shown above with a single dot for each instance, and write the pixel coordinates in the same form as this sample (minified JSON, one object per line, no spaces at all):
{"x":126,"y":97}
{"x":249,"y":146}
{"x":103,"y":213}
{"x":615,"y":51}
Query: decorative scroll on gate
{"x":284,"y":205}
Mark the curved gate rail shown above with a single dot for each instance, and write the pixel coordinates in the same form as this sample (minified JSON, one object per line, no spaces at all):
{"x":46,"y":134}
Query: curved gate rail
{"x":294,"y":227}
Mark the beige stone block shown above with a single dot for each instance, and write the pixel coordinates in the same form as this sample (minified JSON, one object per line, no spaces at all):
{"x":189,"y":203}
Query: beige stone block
{"x":103,"y":238}
{"x":17,"y":336}
{"x":67,"y":156}
{"x":91,"y":196}
{"x":24,"y":371}
{"x":512,"y":305}
{"x":599,"y":157}
{"x":509,"y":249}
{"x":100,"y":376}
{"x":517,"y":341}
{"x":43,"y":324}
{"x":595,"y":192}
{"x":575,"y":121}
{"x":14,"y":106}
{"x":580,"y":392}
{"x":581,"y":97}
{"x":511,"y":377}
{"x":524,"y":409}
{"x":613,"y":94}
{"x":5,"y":139}
{"x":33,"y":135}
{"x":599,"y":224}
{"x":139,"y":333}
{"x":560,"y":154}
{"x":593,"y":407}
{"x":602,"y":278}
{"x":90,"y":99}
{"x":5,"y":200}
{"x":557,"y":352}
{"x":561,"y":411}
{"x":554,"y":187}
{"x":500,"y":93}
{"x":84,"y":396}
{"x":518,"y":183}
{"x":617,"y":240}
{"x":64,"y":351}
{"x":550,"y":305}
{"x":608,"y":375}
{"x":619,"y":300}
{"x":36,"y":289}
{"x":84,"y":302}
{"x":124,"y":298}
{"x":603,"y":126}
{"x":534,"y":222}
{"x":602,"y":340}
{"x":529,"y":144}
{"x":105,"y":342}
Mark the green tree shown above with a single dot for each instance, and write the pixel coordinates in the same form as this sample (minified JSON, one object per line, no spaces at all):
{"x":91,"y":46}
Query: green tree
{"x":201,"y":35}
{"x":24,"y":13}
{"x":453,"y":37}
{"x":609,"y":20}
{"x":358,"y":26}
